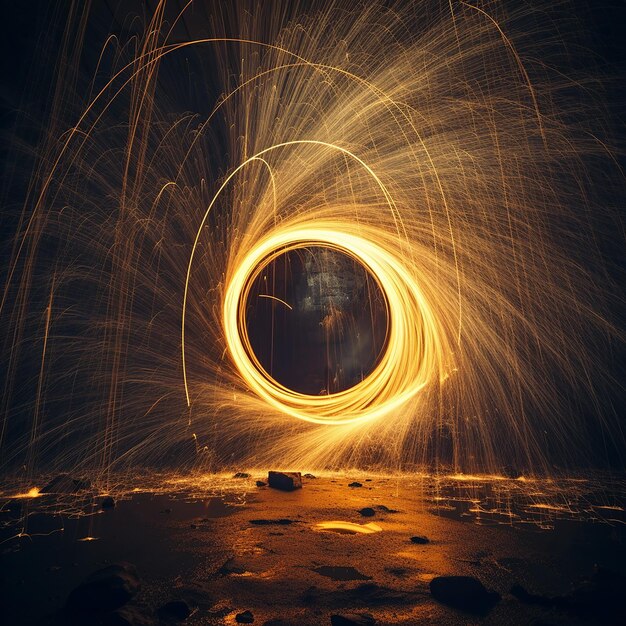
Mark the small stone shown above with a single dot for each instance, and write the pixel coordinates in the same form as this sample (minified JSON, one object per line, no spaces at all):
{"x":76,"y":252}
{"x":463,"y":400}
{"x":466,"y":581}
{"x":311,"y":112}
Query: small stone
{"x":108,"y":503}
{"x":420,"y":540}
{"x":310,"y":476}
{"x":352,"y":619}
{"x":511,"y":472}
{"x":285,"y":481}
{"x":367,"y":511}
{"x":261,"y":483}
{"x":175,"y":610}
{"x":106,"y":589}
{"x":281,"y":521}
{"x":355,"y":484}
{"x":244,"y":618}
{"x":463,"y":592}
{"x":241,"y":475}
{"x":64,"y":483}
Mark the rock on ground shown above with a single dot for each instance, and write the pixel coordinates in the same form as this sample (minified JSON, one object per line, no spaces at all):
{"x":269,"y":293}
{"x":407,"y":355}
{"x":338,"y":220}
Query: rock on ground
{"x":463,"y":592}
{"x":285,"y":481}
{"x":244,"y":618}
{"x":175,"y":610}
{"x":106,"y":589}
{"x":64,"y":483}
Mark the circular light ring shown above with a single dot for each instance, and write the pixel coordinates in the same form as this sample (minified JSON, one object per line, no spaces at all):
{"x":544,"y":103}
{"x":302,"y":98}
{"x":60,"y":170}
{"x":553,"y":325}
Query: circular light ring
{"x":245,"y":294}
{"x":410,"y":359}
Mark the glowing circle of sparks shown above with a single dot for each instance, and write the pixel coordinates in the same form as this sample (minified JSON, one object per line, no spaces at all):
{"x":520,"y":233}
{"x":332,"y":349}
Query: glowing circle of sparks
{"x":410,"y":359}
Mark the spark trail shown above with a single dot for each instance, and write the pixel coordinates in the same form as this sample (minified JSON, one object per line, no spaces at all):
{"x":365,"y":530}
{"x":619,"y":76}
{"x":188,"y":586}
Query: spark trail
{"x":423,"y":141}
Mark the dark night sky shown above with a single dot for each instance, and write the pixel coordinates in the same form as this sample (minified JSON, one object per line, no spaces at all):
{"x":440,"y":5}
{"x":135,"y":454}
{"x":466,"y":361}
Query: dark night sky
{"x":33,"y":30}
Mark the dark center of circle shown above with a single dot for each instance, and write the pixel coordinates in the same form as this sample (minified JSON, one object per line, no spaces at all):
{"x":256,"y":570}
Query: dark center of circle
{"x":316,"y":320}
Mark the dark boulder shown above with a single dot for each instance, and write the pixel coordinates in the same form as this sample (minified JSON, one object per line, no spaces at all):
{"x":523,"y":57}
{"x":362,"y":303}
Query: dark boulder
{"x":309,"y":476}
{"x":285,"y":481}
{"x":463,"y":592}
{"x":106,"y":589}
{"x":367,"y":511}
{"x":261,"y":483}
{"x":174,"y":611}
{"x":355,"y":484}
{"x":244,"y":618}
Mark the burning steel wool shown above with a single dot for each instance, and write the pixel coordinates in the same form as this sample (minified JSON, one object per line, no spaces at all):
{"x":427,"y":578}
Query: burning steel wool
{"x":194,"y":156}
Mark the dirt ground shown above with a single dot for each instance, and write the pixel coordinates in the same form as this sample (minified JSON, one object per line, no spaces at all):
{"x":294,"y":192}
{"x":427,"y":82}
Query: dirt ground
{"x":237,"y":547}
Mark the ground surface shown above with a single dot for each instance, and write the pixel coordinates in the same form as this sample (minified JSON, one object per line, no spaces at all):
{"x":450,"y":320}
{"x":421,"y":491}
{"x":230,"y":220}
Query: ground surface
{"x":228,"y":546}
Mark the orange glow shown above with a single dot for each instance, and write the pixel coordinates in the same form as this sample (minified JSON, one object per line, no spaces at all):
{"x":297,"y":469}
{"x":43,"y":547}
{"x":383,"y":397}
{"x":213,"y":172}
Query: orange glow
{"x":31,"y":493}
{"x":349,"y":528}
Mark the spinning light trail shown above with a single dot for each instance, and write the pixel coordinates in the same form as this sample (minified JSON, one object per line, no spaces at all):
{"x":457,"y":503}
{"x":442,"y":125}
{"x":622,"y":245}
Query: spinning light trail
{"x":430,"y":143}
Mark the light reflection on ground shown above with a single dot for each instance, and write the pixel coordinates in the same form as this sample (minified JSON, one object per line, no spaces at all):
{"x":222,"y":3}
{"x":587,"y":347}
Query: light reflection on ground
{"x":227,"y":545}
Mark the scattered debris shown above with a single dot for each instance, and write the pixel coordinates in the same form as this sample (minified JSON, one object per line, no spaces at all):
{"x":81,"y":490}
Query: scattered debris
{"x":367,"y":511}
{"x":244,"y":618}
{"x":285,"y":481}
{"x":420,"y":539}
{"x":106,"y":589}
{"x":463,"y":592}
